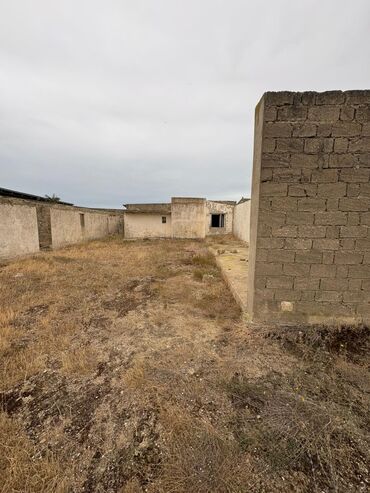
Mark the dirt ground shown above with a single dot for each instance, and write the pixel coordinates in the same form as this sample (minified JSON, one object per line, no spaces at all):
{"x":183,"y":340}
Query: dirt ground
{"x":127,"y":367}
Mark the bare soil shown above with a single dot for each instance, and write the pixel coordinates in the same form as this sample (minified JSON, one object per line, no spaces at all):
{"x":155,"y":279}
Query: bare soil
{"x":127,"y":367}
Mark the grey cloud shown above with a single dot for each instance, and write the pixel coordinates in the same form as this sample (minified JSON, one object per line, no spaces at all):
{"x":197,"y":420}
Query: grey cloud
{"x":119,"y":101}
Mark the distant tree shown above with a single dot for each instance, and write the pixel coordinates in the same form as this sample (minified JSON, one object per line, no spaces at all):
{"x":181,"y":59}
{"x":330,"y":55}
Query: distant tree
{"x":53,"y":198}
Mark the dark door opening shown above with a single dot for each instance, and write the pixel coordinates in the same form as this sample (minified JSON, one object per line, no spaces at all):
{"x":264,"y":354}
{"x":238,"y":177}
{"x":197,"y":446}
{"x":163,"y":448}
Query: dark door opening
{"x":217,"y":220}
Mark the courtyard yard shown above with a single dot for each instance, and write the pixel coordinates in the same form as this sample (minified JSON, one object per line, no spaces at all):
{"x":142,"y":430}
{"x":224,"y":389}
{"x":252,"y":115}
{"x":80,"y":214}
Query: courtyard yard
{"x":127,"y":366}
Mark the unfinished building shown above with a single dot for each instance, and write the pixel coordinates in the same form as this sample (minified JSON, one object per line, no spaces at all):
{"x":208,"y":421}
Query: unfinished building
{"x":184,"y":217}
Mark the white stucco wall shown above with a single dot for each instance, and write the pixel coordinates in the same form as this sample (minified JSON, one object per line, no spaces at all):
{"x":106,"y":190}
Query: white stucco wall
{"x":66,"y":226}
{"x":219,"y":208}
{"x":147,"y":225}
{"x":18,"y":230}
{"x":241,"y":223}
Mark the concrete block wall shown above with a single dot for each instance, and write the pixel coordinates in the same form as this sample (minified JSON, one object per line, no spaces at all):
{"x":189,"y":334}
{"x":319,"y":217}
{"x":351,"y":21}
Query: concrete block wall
{"x":310,"y":208}
{"x":241,"y":221}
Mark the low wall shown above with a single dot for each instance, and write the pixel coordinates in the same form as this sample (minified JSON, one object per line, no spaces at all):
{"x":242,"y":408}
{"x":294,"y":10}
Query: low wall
{"x":18,"y":229}
{"x":241,"y":221}
{"x":143,"y":225}
{"x":74,"y":225}
{"x":26,"y":226}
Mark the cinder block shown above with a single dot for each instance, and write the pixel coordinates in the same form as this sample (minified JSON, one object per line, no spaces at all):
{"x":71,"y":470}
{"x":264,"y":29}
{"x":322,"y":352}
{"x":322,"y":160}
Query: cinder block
{"x":272,"y":218}
{"x":269,"y":145}
{"x":353,"y":218}
{"x":341,"y":145}
{"x":266,"y":174}
{"x":311,"y":204}
{"x":304,"y":130}
{"x":367,"y":258}
{"x":320,"y":270}
{"x":346,"y":129}
{"x":270,"y":243}
{"x":327,"y":257}
{"x":281,"y":255}
{"x":263,"y":230}
{"x":324,"y":129}
{"x":284,"y":204}
{"x":323,"y":113}
{"x":264,"y":294}
{"x":355,"y":204}
{"x":318,"y":145}
{"x":353,"y":296}
{"x":326,"y":244}
{"x":348,"y":258}
{"x":324,"y":176}
{"x":328,"y":296}
{"x":311,"y":231}
{"x":280,"y":282}
{"x":332,"y":232}
{"x":306,"y":283}
{"x":343,"y":160}
{"x":260,"y":282}
{"x":331,"y":218}
{"x":354,"y":284}
{"x":353,"y":231}
{"x":330,"y":97}
{"x":287,"y":231}
{"x":347,"y":113}
{"x":359,"y":271}
{"x":287,"y":295}
{"x":303,"y":190}
{"x":366,"y":129}
{"x":360,"y":175}
{"x":342,"y":271}
{"x":278,"y":129}
{"x":269,"y":269}
{"x":359,"y":145}
{"x":300,"y":270}
{"x":364,"y":160}
{"x":274,"y":189}
{"x":293,"y":144}
{"x":364,"y":190}
{"x":363,"y":114}
{"x":311,"y":161}
{"x":362,"y":245}
{"x":327,"y":284}
{"x":297,"y":218}
{"x":298,"y":243}
{"x":270,"y":113}
{"x":308,"y":295}
{"x":279,"y":98}
{"x":287,"y":175}
{"x":292,"y":113}
{"x":353,"y":190}
{"x":347,"y":244}
{"x":358,"y":97}
{"x":365,"y":218}
{"x":275,"y":160}
{"x":309,"y":257}
{"x":331,"y":190}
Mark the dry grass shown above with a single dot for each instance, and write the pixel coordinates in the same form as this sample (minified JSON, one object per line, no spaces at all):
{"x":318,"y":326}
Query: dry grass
{"x":126,"y":367}
{"x":21,"y":468}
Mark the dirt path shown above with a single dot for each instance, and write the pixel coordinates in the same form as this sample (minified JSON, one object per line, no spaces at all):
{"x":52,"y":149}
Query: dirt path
{"x":126,"y":367}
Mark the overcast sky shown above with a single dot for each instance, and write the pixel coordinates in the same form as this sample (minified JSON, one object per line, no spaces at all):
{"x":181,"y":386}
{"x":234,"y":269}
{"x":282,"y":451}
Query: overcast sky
{"x":106,"y":102}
